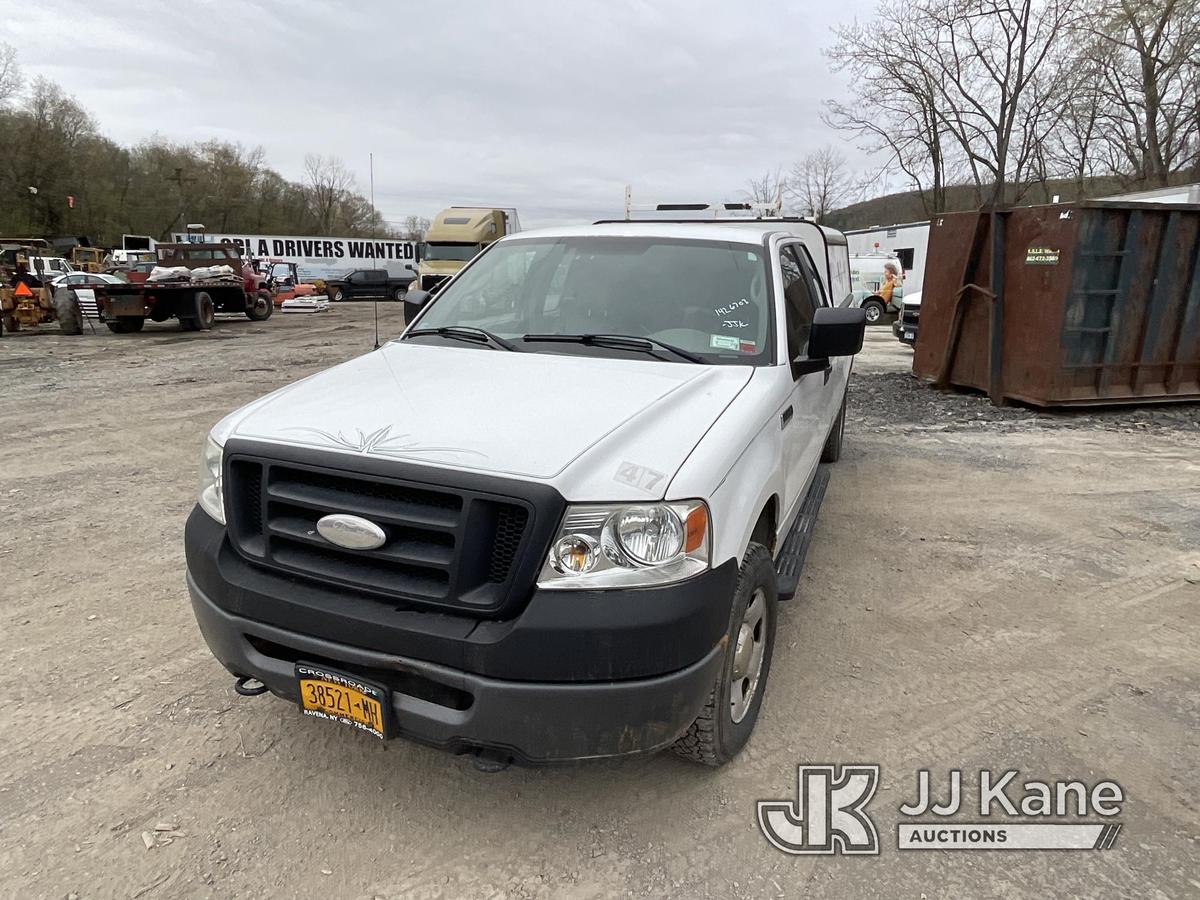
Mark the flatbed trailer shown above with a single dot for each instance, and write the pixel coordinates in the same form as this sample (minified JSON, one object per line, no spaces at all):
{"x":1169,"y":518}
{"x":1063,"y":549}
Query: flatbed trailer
{"x":124,"y":308}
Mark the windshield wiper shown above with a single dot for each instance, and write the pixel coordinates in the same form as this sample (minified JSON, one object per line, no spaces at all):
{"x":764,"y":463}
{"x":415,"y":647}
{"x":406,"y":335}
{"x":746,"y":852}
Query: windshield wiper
{"x":618,"y":341}
{"x":465,"y":333}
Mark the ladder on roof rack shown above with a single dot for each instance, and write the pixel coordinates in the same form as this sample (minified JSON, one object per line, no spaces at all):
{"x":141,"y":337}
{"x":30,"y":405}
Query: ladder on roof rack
{"x":765,"y":210}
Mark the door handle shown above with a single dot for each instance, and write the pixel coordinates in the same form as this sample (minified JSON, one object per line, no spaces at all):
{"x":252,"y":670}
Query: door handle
{"x":785,"y":417}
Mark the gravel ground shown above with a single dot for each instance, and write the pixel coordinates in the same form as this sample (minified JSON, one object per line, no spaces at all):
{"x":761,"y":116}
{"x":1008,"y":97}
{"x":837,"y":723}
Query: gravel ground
{"x":900,"y":400}
{"x":985,"y":588}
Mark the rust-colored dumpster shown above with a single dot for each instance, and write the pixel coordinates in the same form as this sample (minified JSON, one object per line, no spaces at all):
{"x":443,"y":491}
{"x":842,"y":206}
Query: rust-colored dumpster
{"x":1094,"y":303}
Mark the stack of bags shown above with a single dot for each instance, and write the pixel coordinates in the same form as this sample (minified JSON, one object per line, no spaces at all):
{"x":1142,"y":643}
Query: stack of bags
{"x":183,"y":273}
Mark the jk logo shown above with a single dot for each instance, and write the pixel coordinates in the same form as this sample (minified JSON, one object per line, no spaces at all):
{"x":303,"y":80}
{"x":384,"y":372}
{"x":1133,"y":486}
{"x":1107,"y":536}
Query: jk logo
{"x":828,"y":815}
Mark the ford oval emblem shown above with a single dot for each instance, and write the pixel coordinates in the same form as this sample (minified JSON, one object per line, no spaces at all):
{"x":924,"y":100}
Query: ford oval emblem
{"x":351,"y":532}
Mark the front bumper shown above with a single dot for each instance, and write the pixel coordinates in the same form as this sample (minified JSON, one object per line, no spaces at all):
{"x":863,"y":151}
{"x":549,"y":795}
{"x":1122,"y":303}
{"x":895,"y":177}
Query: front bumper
{"x":457,"y":711}
{"x":568,"y":675}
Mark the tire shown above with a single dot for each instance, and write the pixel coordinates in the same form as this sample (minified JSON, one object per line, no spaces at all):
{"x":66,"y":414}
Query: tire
{"x":10,"y":324}
{"x":66,"y":309}
{"x":262,"y":307}
{"x":875,"y":310}
{"x":125,"y":324}
{"x":203,"y":313}
{"x":337,"y":295}
{"x":716,"y":737}
{"x":832,"y":451}
{"x":398,"y":293}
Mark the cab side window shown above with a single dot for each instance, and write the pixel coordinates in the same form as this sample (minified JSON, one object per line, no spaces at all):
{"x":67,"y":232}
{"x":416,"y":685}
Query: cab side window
{"x":810,"y":267}
{"x":798,"y":302}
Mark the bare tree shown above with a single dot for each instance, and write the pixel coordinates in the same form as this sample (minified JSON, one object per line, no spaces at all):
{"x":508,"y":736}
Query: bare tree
{"x":329,"y":182}
{"x":893,"y":106}
{"x":1077,"y":148}
{"x":10,"y":73}
{"x":414,"y":228}
{"x":768,"y":188}
{"x":821,"y":183}
{"x":991,"y":62}
{"x":1145,"y":54}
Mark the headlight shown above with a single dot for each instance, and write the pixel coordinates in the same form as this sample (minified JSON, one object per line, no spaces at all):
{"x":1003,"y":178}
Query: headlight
{"x":212,"y":498}
{"x":628,"y":545}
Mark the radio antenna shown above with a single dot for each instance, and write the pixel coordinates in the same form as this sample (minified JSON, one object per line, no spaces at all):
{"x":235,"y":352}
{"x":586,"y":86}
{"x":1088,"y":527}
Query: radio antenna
{"x":373,"y":261}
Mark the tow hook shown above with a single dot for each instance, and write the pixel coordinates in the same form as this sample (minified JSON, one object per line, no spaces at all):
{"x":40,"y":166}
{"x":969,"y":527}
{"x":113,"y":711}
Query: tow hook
{"x":491,"y":761}
{"x":249,"y":687}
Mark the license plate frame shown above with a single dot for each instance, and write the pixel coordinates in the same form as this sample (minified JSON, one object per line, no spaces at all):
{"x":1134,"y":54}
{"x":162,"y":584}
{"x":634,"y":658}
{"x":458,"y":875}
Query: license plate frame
{"x":345,"y":699}
{"x":910,"y":335}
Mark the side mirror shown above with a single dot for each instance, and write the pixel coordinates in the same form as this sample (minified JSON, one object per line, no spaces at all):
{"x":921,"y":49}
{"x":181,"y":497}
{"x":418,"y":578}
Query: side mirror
{"x":413,"y":302}
{"x":836,"y":331}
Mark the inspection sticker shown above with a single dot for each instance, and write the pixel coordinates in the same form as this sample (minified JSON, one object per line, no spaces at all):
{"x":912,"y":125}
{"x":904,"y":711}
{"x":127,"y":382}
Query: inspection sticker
{"x":724,"y":342}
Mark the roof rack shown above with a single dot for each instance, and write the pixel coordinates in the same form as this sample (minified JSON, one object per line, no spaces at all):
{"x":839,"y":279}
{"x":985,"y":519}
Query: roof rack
{"x":770,"y":210}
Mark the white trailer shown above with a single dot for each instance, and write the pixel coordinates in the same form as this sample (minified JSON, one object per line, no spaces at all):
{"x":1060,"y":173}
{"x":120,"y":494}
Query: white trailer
{"x":908,"y":242}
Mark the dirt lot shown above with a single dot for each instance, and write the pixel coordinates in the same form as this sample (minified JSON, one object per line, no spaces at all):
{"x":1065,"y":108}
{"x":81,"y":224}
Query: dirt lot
{"x":1001,"y":590}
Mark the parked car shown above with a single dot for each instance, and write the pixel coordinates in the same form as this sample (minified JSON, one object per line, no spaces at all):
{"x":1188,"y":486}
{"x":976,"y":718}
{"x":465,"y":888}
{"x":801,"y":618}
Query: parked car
{"x":83,"y":285}
{"x":906,"y":325}
{"x":363,"y":284}
{"x":553,"y":519}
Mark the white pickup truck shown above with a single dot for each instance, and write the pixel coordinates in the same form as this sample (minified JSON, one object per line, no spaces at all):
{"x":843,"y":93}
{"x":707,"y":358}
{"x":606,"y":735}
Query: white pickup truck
{"x":553,"y":519}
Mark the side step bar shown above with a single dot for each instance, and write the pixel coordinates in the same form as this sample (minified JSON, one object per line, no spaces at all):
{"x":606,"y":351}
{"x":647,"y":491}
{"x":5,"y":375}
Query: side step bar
{"x":790,"y":562}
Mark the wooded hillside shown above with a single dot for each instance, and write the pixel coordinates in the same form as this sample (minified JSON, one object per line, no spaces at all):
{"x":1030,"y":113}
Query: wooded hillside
{"x":51,"y":149}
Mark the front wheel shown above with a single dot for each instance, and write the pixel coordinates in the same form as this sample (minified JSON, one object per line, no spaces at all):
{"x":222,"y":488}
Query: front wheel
{"x":261,"y":308}
{"x":336,"y":295}
{"x":727,"y":720}
{"x":398,"y":293}
{"x":875,"y":310}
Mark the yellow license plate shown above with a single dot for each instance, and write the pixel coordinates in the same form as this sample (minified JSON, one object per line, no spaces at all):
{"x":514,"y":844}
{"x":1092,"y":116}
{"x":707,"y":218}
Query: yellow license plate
{"x":347,"y":699}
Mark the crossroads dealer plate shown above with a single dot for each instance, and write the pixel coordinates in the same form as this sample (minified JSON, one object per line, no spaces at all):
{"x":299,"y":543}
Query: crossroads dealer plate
{"x":326,"y":694}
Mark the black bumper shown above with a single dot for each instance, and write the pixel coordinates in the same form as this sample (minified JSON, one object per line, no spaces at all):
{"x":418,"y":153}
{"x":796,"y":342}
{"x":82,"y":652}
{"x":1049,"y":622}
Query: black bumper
{"x":574,"y":675}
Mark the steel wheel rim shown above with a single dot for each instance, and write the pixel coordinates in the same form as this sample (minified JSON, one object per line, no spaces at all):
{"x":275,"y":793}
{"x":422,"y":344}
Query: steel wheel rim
{"x":748,"y":654}
{"x":872,"y":313}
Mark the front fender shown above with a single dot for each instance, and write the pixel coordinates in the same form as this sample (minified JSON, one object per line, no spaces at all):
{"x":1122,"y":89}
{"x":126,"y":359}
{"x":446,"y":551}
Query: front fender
{"x":742,"y":454}
{"x":754,"y":481}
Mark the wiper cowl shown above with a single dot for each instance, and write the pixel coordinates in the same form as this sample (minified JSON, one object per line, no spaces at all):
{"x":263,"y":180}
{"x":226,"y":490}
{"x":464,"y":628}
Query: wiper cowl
{"x":619,"y":341}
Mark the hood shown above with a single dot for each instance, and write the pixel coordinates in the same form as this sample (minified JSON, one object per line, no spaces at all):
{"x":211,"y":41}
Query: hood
{"x":596,"y":428}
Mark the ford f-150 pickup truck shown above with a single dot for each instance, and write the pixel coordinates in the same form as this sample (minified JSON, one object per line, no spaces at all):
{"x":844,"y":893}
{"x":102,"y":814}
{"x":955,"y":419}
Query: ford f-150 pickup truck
{"x":553,"y":519}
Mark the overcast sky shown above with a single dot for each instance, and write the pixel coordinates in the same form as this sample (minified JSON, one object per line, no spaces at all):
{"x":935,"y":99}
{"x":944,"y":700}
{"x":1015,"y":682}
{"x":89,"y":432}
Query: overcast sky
{"x":545,"y":105}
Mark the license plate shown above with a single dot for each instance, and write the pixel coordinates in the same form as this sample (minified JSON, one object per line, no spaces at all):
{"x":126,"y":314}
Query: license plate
{"x":909,"y":335}
{"x":347,"y":699}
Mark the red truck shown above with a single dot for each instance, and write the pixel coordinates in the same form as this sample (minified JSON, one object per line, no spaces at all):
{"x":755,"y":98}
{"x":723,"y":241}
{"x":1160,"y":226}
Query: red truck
{"x":194,"y":300}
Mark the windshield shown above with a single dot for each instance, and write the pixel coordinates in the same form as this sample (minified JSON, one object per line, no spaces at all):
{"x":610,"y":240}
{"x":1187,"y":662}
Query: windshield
{"x":460,"y":252}
{"x":705,"y":297}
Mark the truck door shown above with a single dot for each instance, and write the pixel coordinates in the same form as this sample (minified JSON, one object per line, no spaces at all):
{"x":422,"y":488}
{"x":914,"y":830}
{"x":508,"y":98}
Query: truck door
{"x":801,"y":421}
{"x":374,"y":282}
{"x":834,"y":388}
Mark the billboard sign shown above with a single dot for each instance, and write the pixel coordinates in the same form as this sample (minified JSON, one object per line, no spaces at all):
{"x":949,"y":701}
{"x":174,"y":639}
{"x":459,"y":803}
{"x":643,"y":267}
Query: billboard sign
{"x":318,"y":256}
